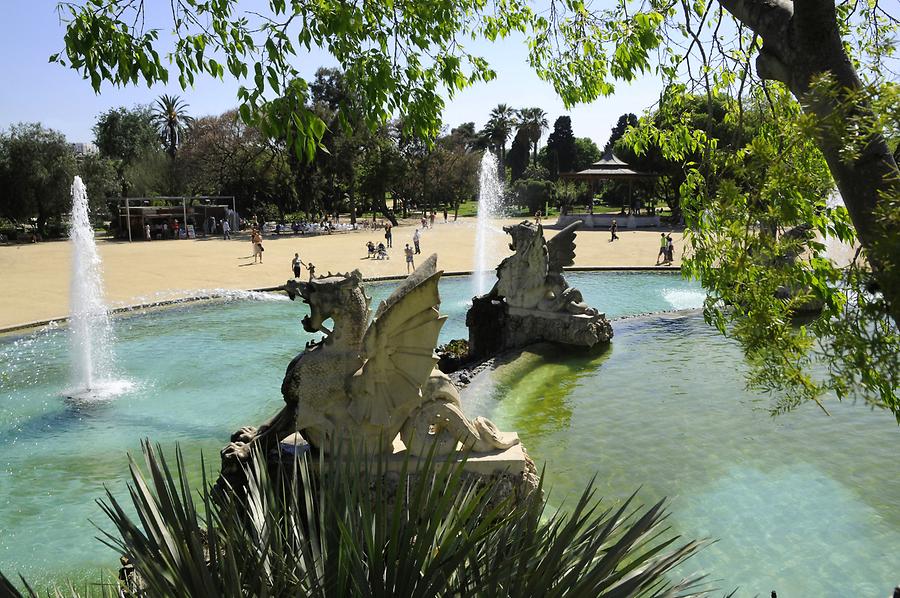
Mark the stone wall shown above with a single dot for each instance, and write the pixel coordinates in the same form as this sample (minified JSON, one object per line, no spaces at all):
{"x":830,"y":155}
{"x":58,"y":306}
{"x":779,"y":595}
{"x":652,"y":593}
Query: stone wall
{"x":603,"y":221}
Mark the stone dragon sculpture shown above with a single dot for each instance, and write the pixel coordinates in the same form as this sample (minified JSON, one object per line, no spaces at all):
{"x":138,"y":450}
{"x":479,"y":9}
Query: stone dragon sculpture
{"x":366,"y":382}
{"x":532,"y":278}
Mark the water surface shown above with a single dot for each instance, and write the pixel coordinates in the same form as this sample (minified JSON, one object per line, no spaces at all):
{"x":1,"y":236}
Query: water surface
{"x":804,"y":504}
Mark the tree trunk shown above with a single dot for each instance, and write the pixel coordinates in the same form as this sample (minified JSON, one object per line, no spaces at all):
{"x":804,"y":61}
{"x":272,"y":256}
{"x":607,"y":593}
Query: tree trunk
{"x":381,"y":205}
{"x":801,"y":41}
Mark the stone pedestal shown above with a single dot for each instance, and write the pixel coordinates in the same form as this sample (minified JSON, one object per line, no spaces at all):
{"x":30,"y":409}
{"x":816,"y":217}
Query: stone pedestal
{"x":495,"y":327}
{"x":508,"y":472}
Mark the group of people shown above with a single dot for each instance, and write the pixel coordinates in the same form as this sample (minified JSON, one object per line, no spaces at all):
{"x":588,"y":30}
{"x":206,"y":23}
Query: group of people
{"x":297,"y":267}
{"x":378,"y":252}
{"x":304,"y":227}
{"x":210,"y":227}
{"x":666,"y":249}
{"x":213,"y":226}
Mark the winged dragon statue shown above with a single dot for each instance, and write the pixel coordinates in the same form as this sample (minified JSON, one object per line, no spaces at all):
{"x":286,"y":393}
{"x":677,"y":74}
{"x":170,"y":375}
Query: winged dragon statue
{"x":532,"y":278}
{"x":366,"y":382}
{"x":532,"y":301}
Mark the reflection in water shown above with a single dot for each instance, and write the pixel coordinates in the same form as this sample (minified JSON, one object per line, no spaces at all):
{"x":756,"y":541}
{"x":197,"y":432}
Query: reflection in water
{"x":803,"y":504}
{"x":533,"y":390}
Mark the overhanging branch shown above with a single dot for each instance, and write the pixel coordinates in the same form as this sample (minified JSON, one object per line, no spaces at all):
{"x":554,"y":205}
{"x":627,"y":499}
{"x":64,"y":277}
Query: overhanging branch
{"x":770,"y":19}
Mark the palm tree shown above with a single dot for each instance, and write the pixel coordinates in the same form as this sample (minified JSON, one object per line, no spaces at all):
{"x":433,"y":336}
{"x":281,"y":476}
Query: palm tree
{"x":349,"y":529}
{"x":498,"y":129}
{"x":534,"y":122}
{"x":171,"y":120}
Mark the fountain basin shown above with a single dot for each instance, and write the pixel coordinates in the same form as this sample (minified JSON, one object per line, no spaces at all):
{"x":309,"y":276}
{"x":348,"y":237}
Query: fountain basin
{"x":803,"y":504}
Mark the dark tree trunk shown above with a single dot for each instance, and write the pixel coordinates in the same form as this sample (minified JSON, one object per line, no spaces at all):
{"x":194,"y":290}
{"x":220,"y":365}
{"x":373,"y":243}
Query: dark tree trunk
{"x":379,"y":203}
{"x":352,"y":207}
{"x":801,"y":41}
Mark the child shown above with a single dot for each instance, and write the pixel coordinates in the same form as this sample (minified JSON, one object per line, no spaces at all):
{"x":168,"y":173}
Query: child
{"x":370,"y":246}
{"x":409,"y":258}
{"x":312,"y":270}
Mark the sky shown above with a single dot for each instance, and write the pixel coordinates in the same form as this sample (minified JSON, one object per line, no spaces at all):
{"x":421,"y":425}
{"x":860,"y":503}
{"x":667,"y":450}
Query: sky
{"x":33,"y":90}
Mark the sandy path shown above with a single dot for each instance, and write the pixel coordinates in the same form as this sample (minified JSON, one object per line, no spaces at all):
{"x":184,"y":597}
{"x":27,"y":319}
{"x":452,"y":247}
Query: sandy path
{"x":36,"y":277}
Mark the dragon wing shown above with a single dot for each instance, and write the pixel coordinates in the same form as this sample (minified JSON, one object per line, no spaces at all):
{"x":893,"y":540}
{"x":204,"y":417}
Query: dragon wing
{"x":398,"y":349}
{"x":561,"y":248}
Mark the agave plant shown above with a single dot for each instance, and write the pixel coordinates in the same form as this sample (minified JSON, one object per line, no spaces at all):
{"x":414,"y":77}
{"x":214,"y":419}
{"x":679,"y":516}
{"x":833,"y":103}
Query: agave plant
{"x":354,"y":528}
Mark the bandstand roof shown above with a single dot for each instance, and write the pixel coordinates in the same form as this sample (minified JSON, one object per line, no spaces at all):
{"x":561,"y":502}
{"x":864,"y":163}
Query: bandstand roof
{"x":609,"y":167}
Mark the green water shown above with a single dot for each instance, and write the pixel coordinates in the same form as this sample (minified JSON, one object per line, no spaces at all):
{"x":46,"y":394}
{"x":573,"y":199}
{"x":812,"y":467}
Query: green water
{"x":804,"y":504}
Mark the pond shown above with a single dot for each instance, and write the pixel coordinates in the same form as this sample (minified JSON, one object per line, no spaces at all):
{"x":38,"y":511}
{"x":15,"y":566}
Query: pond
{"x":804,"y":504}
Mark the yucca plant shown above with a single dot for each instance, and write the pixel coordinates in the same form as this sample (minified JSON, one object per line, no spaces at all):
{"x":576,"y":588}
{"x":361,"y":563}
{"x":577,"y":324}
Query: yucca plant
{"x":354,"y":527}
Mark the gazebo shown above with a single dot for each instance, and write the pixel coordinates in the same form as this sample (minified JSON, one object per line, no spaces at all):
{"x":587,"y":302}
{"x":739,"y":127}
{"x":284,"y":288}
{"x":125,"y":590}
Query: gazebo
{"x":609,"y":168}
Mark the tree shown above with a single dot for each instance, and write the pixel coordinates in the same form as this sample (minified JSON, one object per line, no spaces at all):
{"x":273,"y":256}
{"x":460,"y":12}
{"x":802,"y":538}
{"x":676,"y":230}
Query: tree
{"x":676,"y":116}
{"x":517,"y":158}
{"x":100,"y":180}
{"x":36,"y":172}
{"x":534,"y":122}
{"x":221,"y":155}
{"x":497,"y":131}
{"x":586,"y":153}
{"x":625,"y":121}
{"x":534,"y":194}
{"x":169,"y":115}
{"x":561,"y":148}
{"x":799,"y":47}
{"x":126,"y":136}
{"x":467,"y":136}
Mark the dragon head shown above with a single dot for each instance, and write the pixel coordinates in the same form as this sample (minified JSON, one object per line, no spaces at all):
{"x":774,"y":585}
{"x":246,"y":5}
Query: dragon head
{"x":523,"y":235}
{"x":325,"y":296}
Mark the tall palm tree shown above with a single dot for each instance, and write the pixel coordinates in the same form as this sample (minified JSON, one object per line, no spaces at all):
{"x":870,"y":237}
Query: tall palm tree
{"x":171,"y":120}
{"x":498,"y":129}
{"x":534,"y":122}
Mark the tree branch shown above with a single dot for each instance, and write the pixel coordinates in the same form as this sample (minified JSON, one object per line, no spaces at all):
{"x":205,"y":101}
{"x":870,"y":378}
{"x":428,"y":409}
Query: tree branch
{"x":770,"y":19}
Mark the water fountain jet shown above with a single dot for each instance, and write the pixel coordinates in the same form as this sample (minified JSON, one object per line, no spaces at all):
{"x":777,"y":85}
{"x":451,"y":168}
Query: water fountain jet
{"x":90,"y":330}
{"x":490,"y":198}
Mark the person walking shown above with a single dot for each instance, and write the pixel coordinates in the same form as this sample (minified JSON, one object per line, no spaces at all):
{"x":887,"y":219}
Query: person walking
{"x":311,"y":267}
{"x":431,"y":220}
{"x":388,"y":237}
{"x":147,"y":232}
{"x":613,"y":229}
{"x":409,"y":259}
{"x":445,"y":215}
{"x":663,"y":244}
{"x":226,"y":229}
{"x":670,"y":249}
{"x":416,"y":237}
{"x":297,"y":265}
{"x":256,"y":242}
{"x":176,"y":229}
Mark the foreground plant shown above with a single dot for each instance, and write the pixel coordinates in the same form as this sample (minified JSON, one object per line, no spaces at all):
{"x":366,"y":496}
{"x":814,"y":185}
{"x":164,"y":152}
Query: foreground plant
{"x":358,"y":530}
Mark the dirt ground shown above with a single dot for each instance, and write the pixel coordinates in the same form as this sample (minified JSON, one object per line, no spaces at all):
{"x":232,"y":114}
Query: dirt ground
{"x":36,"y":277}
